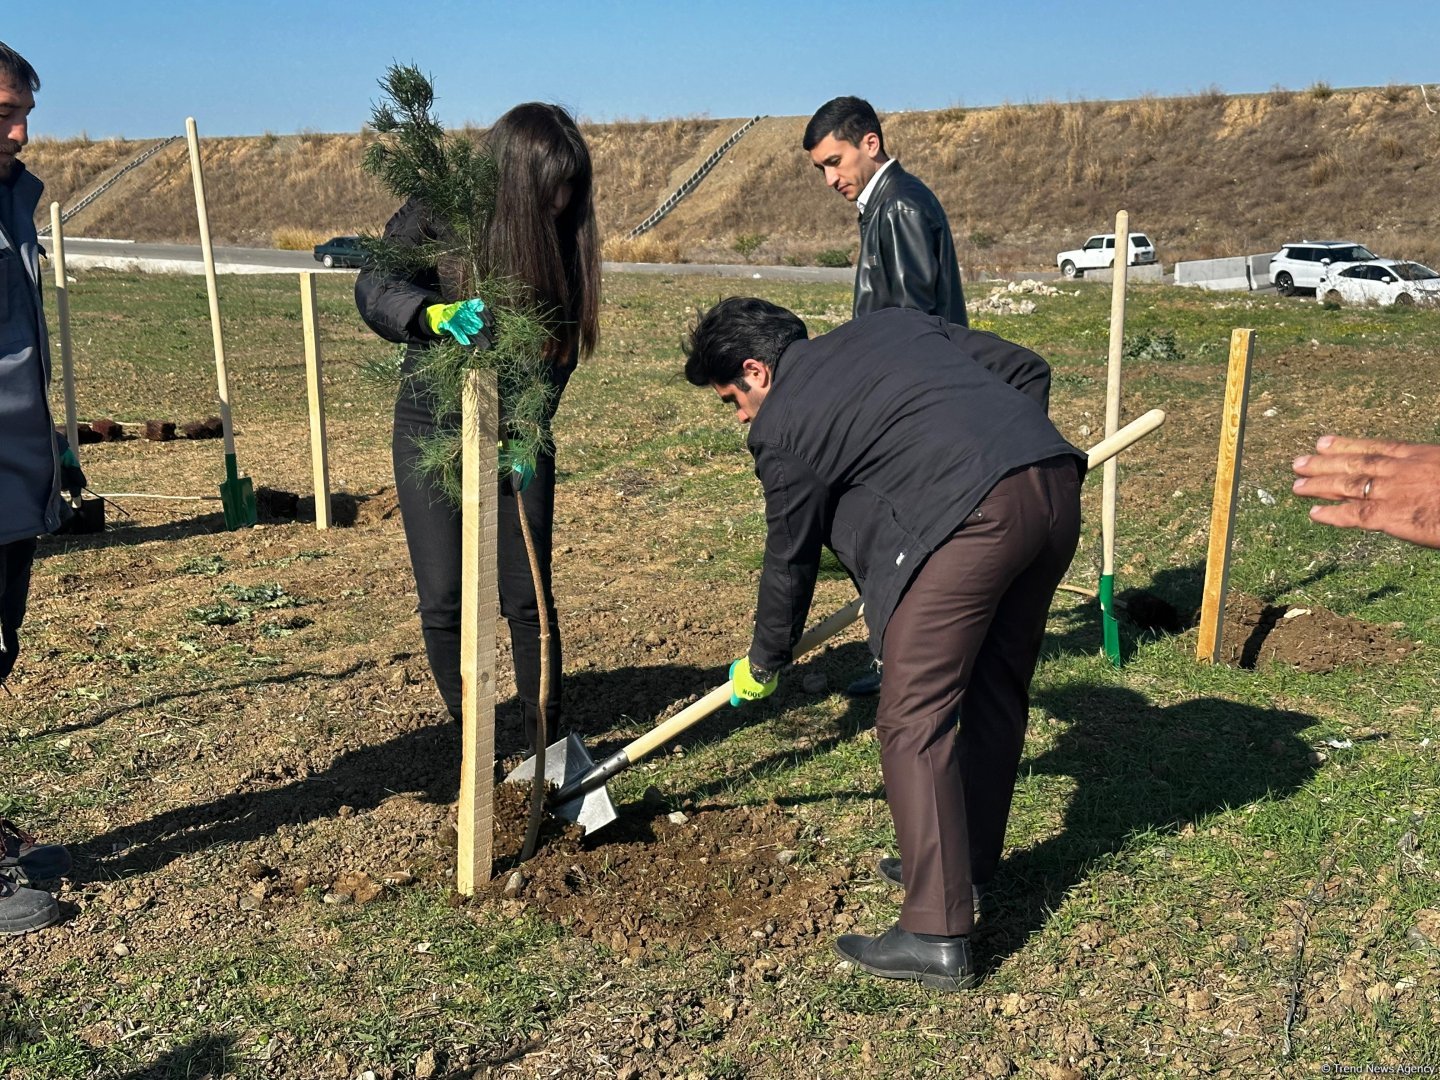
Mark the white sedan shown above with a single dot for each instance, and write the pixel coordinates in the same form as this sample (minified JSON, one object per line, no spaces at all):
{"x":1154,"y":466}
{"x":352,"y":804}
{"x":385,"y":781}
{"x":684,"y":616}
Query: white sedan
{"x":1384,"y":281}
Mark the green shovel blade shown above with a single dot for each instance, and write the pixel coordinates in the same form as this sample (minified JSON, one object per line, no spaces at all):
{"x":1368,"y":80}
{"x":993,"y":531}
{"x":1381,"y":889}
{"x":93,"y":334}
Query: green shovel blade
{"x":1109,"y":626}
{"x":237,"y":497}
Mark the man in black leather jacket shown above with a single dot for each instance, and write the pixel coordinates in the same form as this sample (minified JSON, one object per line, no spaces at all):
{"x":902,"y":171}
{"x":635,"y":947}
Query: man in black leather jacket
{"x":907,"y":257}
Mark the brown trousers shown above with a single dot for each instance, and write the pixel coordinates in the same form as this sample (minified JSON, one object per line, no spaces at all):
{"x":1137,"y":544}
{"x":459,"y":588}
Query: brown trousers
{"x":960,"y":651}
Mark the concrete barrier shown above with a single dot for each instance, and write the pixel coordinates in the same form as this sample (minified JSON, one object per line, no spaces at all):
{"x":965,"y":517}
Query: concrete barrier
{"x":1259,"y":269}
{"x":1215,"y":273}
{"x":1149,"y":272}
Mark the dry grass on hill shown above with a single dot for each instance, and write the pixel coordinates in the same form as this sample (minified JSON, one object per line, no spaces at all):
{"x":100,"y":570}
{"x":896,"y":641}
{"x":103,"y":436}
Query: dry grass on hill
{"x":1205,"y":175}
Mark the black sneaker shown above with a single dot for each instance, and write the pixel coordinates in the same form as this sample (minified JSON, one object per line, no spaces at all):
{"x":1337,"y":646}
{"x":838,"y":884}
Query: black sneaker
{"x":945,"y":964}
{"x":980,"y":895}
{"x":23,"y":910}
{"x":35,"y":862}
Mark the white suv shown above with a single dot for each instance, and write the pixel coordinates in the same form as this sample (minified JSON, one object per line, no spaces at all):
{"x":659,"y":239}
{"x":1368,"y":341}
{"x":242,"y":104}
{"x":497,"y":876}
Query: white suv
{"x":1302,"y":265}
{"x":1099,"y":253}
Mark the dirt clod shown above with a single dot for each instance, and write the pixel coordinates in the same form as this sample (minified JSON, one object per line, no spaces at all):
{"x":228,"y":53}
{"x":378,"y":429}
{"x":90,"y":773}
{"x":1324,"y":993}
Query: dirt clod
{"x":209,"y":428}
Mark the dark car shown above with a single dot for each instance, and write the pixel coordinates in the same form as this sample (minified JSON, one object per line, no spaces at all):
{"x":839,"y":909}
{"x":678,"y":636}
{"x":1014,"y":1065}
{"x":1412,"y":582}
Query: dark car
{"x":341,"y":251}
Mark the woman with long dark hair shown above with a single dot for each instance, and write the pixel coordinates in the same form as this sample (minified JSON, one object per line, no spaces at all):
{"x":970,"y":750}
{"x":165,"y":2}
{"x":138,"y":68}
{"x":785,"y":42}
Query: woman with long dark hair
{"x":542,"y":238}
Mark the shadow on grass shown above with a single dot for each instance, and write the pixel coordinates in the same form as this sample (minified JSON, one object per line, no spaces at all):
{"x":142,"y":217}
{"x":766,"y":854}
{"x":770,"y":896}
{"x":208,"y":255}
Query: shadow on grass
{"x":153,"y":701}
{"x":425,"y":761}
{"x":205,"y":1055}
{"x":1140,"y":767}
{"x":346,"y":510}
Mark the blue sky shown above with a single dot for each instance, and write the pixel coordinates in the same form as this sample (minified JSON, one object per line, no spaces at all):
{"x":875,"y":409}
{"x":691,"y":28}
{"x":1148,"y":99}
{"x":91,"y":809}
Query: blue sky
{"x":136,"y":68}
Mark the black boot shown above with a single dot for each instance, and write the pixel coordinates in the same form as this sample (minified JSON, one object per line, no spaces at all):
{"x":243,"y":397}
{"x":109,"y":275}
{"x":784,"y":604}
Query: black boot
{"x":939,"y":963}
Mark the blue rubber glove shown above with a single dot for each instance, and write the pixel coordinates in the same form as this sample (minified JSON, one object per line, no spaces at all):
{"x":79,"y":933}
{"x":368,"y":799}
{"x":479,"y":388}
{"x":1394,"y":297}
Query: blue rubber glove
{"x":518,"y":467}
{"x":745,"y":687}
{"x":461,"y":320}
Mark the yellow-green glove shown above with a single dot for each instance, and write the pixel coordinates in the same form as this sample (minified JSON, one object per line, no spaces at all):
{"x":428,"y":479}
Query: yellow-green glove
{"x":745,"y":687}
{"x":462,"y":320}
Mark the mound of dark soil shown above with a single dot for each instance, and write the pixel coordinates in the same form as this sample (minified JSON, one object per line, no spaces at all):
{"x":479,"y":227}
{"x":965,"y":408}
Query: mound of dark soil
{"x":1308,"y":638}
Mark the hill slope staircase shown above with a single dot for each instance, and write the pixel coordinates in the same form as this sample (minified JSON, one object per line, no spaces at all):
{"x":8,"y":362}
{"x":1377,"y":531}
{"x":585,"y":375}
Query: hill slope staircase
{"x":135,"y":163}
{"x":694,"y":180}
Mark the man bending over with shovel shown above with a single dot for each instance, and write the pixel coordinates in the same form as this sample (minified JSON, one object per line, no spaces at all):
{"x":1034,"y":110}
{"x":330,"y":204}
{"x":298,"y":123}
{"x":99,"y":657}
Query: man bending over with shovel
{"x":948,"y":495}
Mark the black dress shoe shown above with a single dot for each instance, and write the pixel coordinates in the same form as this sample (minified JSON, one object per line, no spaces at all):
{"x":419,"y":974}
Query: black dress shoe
{"x":891,"y":871}
{"x":867,"y":685}
{"x":899,"y":954}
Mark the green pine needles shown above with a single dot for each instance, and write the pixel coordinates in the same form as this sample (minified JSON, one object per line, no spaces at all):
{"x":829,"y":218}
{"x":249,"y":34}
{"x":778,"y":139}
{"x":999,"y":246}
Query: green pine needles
{"x":455,"y":178}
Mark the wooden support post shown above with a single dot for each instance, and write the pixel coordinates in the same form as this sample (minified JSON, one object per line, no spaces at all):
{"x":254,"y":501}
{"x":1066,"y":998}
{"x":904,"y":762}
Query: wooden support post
{"x":62,"y":315}
{"x":1111,"y":476}
{"x":1227,"y":488}
{"x":479,"y":610}
{"x":319,"y":457}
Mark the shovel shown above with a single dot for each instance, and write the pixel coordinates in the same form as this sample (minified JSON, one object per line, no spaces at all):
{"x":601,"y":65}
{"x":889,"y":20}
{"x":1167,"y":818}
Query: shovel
{"x":581,"y":795}
{"x":237,"y":493}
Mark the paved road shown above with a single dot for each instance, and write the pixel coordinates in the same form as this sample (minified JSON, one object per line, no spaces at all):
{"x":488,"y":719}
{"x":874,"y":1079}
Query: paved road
{"x":187,"y":258}
{"x":81,"y":253}
{"x":184,"y":258}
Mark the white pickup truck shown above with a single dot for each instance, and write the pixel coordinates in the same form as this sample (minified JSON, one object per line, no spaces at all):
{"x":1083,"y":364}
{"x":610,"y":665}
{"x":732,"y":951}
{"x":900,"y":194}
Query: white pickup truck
{"x":1098,"y":253}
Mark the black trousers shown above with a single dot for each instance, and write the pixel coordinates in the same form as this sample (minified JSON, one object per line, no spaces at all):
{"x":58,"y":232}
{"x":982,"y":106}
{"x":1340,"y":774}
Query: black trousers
{"x":432,"y":533}
{"x":16,"y":559}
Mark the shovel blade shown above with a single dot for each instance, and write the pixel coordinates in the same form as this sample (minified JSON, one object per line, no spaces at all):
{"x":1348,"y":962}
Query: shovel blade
{"x":237,"y":499}
{"x":566,"y":761}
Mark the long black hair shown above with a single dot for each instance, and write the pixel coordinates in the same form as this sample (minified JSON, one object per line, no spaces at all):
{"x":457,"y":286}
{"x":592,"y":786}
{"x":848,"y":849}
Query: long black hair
{"x":538,"y":149}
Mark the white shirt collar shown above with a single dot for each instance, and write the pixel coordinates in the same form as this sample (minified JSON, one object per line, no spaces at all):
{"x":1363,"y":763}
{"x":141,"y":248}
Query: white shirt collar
{"x":870,"y":187}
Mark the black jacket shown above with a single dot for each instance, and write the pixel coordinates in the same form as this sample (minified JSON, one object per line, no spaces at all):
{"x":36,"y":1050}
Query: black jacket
{"x":393,"y":305}
{"x":878,"y":440}
{"x":907,"y":257}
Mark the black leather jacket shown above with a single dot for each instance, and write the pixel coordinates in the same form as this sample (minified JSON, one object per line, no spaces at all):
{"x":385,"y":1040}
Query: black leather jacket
{"x":907,"y":257}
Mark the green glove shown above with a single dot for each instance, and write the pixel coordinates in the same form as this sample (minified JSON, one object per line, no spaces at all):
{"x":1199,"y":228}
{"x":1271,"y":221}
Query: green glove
{"x":461,"y":320}
{"x":520,"y":468}
{"x":72,"y":479}
{"x":745,"y":687}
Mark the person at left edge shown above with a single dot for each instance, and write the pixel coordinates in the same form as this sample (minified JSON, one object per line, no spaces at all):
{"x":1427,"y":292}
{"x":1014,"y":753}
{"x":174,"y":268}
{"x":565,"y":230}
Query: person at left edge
{"x":36,"y":468}
{"x":542,"y":234}
{"x":921,"y":454}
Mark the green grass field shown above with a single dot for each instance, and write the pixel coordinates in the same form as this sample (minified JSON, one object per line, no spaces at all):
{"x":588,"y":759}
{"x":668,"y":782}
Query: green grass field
{"x":1210,"y":870}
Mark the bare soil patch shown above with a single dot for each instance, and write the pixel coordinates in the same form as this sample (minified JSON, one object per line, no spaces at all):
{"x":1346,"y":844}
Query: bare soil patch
{"x":734,"y":876}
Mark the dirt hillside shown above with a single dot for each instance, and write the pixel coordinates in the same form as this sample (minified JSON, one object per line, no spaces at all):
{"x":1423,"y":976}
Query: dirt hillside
{"x":1205,"y":175}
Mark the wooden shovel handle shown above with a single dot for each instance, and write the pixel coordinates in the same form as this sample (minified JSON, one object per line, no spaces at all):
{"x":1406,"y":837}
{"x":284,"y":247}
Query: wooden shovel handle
{"x":823,"y":631}
{"x":202,"y":215}
{"x":720,"y":696}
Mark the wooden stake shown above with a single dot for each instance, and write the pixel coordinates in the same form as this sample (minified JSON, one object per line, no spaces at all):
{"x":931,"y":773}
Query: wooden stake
{"x":1111,"y":478}
{"x":479,"y":610}
{"x":1227,"y":487}
{"x":62,"y":315}
{"x":319,"y":458}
